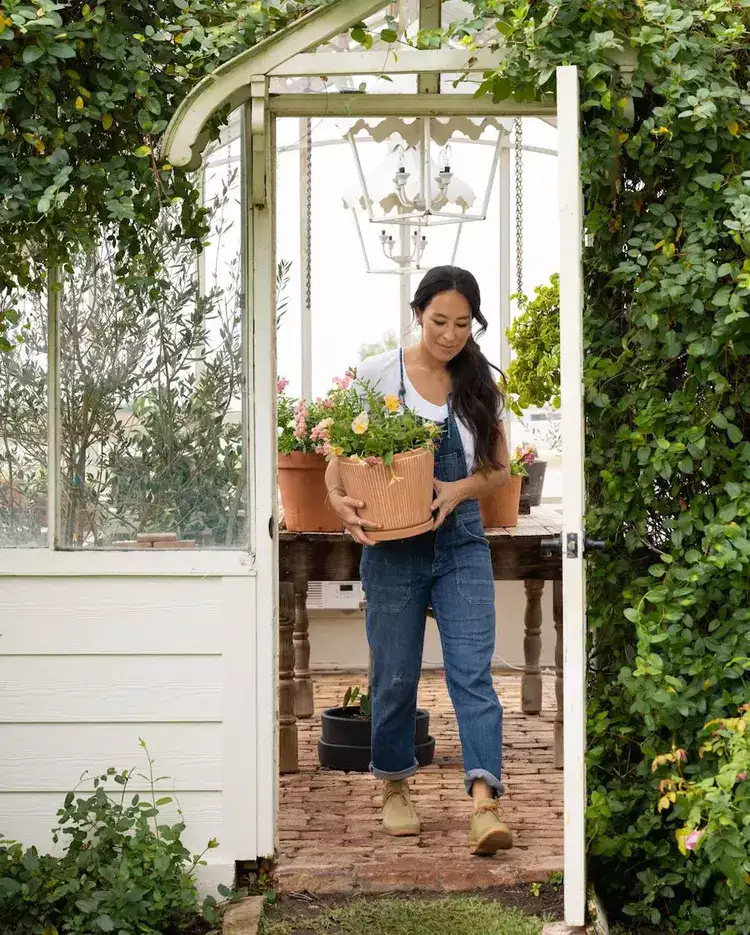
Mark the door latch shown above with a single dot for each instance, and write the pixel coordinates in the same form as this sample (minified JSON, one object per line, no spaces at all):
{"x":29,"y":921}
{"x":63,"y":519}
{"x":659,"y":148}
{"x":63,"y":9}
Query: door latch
{"x":548,"y":547}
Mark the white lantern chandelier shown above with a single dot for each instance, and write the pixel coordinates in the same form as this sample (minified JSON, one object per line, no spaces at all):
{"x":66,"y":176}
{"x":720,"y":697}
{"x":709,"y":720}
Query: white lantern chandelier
{"x":416,"y":185}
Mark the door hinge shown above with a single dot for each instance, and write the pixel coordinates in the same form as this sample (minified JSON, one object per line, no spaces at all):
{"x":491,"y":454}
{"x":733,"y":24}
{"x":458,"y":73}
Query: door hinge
{"x":271,"y":527}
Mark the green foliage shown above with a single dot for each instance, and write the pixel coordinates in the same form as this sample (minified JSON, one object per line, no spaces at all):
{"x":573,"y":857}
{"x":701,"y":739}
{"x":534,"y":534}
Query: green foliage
{"x":122,"y":869}
{"x":363,"y":700}
{"x":86,"y":89}
{"x":362,"y":423}
{"x":150,"y":381}
{"x":533,"y":377}
{"x":664,"y":163}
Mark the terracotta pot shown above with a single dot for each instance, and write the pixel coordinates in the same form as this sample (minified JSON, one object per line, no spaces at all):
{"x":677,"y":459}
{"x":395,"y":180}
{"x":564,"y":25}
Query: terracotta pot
{"x":304,"y":495}
{"x":501,"y":509}
{"x":533,"y":483}
{"x":402,"y":507}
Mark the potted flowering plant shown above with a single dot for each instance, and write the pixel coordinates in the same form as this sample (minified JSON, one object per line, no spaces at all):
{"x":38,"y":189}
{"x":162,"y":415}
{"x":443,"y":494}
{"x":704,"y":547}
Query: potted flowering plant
{"x":386,"y":457}
{"x":501,"y":507}
{"x":345,"y":740}
{"x":302,"y":464}
{"x":533,"y":482}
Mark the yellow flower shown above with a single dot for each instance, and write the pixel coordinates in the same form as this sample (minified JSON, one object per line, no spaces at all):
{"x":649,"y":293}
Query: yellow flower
{"x":338,"y":451}
{"x":391,"y":403}
{"x":361,"y":424}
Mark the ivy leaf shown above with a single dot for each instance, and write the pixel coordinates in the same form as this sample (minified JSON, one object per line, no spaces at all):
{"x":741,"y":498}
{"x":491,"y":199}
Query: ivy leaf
{"x":62,"y":50}
{"x":31,"y":53}
{"x":142,"y":151}
{"x":710,"y":180}
{"x":734,"y":433}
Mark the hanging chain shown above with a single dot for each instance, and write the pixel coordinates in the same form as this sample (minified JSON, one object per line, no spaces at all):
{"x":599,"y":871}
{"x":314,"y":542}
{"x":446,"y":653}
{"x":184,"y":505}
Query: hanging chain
{"x":308,"y":210}
{"x":518,"y":127}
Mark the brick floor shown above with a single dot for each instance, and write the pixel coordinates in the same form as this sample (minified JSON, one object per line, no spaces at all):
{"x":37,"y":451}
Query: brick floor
{"x":330,"y":835}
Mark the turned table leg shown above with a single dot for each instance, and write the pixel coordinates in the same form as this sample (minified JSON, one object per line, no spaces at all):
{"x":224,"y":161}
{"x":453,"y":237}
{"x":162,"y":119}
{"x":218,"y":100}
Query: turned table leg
{"x":557,"y":615}
{"x":531,"y":682}
{"x":303,"y":702}
{"x":288,"y":749}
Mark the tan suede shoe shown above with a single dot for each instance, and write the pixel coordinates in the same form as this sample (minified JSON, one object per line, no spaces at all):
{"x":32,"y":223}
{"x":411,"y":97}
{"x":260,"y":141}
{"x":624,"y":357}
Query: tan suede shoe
{"x":399,"y":817}
{"x":487,"y":833}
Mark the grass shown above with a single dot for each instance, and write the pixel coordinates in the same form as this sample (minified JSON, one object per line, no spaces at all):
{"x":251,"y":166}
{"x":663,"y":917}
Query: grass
{"x":450,"y":915}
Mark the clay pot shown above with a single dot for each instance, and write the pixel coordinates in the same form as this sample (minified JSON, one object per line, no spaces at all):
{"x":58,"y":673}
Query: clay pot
{"x":304,"y":495}
{"x":402,"y":507}
{"x":533,"y":483}
{"x":501,"y":509}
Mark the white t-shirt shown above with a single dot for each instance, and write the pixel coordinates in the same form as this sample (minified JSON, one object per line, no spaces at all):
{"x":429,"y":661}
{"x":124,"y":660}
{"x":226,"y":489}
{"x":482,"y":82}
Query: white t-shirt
{"x":384,"y":372}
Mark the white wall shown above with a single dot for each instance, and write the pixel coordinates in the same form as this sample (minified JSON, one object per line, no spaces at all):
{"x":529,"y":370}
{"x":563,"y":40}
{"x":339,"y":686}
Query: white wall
{"x":337,"y":639}
{"x":88,"y":665}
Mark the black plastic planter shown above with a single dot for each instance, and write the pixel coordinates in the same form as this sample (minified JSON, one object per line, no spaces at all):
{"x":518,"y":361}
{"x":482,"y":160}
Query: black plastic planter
{"x":345,"y":742}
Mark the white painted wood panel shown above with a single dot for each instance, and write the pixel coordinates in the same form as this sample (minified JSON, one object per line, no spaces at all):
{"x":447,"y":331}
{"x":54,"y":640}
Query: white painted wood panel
{"x":137,"y":563}
{"x":68,"y":616}
{"x":52,"y":757}
{"x":57,"y":689}
{"x":30,"y":818}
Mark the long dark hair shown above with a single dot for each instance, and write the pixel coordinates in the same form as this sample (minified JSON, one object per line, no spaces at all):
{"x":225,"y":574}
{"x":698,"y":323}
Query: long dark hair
{"x":475,"y":396}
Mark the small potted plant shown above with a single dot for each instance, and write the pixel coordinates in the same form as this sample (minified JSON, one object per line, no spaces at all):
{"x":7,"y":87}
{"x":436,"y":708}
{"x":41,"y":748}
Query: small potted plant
{"x":345,"y":741}
{"x":302,"y":464}
{"x":501,"y":507}
{"x":533,"y":482}
{"x":386,"y":458}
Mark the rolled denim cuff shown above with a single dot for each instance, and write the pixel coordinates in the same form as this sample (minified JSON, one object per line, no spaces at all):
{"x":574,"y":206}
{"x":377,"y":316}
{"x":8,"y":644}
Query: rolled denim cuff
{"x":491,"y":781}
{"x":401,"y":774}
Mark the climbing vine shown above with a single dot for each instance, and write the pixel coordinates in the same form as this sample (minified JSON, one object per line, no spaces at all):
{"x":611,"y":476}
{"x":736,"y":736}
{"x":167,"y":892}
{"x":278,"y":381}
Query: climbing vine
{"x":667,"y":278}
{"x":86,"y":89}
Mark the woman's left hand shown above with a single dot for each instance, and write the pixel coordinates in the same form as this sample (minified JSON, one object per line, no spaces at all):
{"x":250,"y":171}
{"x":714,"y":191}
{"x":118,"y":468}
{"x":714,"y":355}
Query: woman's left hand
{"x":447,"y":497}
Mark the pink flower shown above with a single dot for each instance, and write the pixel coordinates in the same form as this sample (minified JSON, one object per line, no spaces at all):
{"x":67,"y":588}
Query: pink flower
{"x":693,"y":839}
{"x":342,"y":382}
{"x":281,"y":384}
{"x":300,"y":420}
{"x":327,"y":404}
{"x":741,"y":777}
{"x":321,"y":431}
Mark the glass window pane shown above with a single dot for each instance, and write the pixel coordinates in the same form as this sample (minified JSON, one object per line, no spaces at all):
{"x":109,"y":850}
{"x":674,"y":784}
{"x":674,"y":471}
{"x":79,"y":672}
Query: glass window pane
{"x":23,"y":427}
{"x":151,"y":393}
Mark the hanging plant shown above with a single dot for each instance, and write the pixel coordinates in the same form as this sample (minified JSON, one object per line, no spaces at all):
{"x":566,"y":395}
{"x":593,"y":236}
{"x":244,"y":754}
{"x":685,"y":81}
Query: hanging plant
{"x":534,"y":373}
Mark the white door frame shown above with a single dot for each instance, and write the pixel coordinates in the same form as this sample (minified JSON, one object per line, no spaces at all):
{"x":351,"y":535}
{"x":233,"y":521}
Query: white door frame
{"x":262,"y":240}
{"x":244,"y":81}
{"x":574,"y":575}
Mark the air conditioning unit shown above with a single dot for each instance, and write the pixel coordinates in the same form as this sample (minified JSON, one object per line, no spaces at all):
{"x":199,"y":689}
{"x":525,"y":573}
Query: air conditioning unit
{"x":334,"y":595}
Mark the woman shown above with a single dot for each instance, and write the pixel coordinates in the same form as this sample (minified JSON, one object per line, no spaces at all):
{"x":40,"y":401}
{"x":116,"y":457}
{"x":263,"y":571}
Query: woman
{"x":444,"y":378}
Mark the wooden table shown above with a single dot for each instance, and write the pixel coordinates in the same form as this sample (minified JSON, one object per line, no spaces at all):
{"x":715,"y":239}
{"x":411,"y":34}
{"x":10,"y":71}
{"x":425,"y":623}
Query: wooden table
{"x":517,"y":555}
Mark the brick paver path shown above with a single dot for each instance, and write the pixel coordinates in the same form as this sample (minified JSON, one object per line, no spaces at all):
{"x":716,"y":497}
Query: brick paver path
{"x":330,"y":835}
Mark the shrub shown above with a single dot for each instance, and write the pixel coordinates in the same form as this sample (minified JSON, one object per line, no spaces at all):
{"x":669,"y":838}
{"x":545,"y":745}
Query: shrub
{"x":122,"y":870}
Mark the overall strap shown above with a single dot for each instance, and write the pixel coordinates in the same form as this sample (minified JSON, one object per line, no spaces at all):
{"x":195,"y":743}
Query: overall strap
{"x":402,"y":388}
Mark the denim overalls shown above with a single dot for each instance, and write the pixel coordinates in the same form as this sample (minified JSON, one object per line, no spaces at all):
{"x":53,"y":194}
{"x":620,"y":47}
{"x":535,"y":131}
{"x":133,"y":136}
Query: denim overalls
{"x":451,"y":570}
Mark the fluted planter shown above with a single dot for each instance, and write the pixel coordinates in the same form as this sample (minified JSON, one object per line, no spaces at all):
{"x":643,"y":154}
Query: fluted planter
{"x":304,"y":495}
{"x":398,"y":498}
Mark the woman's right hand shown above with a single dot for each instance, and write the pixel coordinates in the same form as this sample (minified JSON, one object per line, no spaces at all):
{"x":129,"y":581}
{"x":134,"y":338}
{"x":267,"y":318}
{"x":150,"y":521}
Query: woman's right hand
{"x":348,"y":511}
